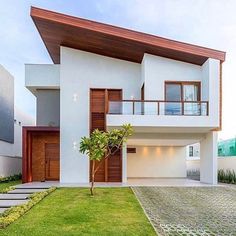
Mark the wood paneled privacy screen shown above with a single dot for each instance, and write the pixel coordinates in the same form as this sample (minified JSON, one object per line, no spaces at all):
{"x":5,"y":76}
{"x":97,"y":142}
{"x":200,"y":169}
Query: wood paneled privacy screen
{"x":111,"y":168}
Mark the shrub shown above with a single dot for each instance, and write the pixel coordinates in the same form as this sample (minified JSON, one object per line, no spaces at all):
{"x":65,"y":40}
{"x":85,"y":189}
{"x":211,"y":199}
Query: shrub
{"x":6,"y":190}
{"x":227,"y":176}
{"x":12,"y":214}
{"x":10,"y":178}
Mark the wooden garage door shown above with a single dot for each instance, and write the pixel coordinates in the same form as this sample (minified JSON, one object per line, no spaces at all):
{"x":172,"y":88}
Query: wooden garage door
{"x":111,"y":169}
{"x":52,"y":164}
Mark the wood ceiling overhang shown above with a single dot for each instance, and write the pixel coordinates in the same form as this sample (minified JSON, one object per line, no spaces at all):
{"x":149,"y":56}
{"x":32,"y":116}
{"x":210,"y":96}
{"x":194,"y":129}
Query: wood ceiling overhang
{"x":58,"y":29}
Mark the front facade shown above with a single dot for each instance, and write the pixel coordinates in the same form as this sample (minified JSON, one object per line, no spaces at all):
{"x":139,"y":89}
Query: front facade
{"x":105,"y":76}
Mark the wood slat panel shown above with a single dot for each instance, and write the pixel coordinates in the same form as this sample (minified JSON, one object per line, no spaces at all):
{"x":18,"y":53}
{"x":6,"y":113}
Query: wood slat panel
{"x":98,"y":100}
{"x":114,"y":95}
{"x":115,"y":168}
{"x":110,"y":170}
{"x":98,"y":121}
{"x":97,"y":116}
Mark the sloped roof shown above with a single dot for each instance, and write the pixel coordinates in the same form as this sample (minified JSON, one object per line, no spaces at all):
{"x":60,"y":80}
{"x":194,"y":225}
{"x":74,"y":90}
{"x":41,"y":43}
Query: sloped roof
{"x":58,"y":29}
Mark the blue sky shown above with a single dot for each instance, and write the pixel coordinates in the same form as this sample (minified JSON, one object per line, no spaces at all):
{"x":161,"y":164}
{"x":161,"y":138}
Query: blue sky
{"x":210,"y":23}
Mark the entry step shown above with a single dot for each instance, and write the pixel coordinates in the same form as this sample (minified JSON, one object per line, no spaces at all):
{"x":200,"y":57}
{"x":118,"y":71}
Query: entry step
{"x":32,"y":187}
{"x":10,"y":203}
{"x":12,"y":196}
{"x":27,"y":191}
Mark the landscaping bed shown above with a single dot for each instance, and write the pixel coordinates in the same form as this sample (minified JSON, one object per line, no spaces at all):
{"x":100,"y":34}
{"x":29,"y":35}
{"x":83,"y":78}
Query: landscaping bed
{"x":72,"y":211}
{"x":15,"y":212}
{"x":6,"y":185}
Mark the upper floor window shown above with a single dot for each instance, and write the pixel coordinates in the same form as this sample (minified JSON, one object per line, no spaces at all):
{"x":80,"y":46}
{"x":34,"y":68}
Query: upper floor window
{"x":182,"y":91}
{"x":182,"y":98}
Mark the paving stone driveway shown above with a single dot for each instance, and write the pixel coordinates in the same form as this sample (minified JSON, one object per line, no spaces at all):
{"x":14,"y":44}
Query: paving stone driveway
{"x":190,"y":210}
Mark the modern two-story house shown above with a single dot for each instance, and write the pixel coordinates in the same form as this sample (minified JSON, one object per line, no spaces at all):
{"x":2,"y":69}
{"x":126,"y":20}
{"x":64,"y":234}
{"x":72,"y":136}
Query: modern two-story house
{"x":104,"y":76}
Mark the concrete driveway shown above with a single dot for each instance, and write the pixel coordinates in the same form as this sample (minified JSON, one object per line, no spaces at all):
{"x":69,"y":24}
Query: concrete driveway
{"x":190,"y":210}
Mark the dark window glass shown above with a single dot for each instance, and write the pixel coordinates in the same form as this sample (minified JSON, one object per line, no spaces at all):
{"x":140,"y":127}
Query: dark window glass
{"x":173,"y":93}
{"x":191,"y":151}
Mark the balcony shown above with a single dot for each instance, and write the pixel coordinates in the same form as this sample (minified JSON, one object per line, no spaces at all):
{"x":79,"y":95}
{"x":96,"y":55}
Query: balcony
{"x":159,"y":108}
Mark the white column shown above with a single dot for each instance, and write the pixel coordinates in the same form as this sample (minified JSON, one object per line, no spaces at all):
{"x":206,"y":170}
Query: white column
{"x":208,"y":160}
{"x":124,"y":163}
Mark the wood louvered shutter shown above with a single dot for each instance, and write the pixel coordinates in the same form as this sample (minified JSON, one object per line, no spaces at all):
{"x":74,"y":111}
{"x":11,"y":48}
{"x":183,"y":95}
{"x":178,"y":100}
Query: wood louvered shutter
{"x":97,"y":109}
{"x":97,"y":116}
{"x":115,"y":167}
{"x":111,"y":169}
{"x":114,"y":172}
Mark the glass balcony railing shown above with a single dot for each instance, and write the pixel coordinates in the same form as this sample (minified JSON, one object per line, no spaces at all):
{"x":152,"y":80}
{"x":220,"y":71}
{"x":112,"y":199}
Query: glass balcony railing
{"x":150,"y":107}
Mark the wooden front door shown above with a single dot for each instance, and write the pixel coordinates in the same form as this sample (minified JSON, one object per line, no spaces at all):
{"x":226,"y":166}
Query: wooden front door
{"x":44,"y":157}
{"x":52,"y":164}
{"x":111,"y":169}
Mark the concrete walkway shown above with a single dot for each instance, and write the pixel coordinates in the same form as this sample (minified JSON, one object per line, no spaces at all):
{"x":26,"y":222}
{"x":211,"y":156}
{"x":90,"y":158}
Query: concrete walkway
{"x":18,"y":196}
{"x":160,"y":182}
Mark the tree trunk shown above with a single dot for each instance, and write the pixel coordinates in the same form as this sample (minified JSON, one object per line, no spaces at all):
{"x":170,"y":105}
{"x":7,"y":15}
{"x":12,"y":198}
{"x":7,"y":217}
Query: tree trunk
{"x":93,"y":177}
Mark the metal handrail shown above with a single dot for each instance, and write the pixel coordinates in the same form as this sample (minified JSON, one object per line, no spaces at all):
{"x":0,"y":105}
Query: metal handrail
{"x":158,"y":105}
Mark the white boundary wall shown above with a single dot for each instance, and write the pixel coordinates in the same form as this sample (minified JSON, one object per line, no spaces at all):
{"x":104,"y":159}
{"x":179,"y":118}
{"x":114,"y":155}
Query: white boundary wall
{"x":223,"y":163}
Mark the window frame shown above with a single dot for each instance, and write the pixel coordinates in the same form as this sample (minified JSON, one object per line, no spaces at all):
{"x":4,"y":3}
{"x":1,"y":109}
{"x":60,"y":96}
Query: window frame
{"x":182,"y":83}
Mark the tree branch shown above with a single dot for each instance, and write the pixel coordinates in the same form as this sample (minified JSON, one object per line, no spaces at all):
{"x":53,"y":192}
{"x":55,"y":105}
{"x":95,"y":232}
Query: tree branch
{"x":110,"y":153}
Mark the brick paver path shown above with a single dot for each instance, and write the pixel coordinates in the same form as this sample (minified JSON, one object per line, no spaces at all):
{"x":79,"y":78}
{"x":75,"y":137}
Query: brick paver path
{"x":190,"y":210}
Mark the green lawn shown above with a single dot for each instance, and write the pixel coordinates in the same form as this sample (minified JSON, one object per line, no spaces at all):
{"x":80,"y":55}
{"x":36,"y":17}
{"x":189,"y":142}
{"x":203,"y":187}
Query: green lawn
{"x":8,"y":184}
{"x":71,"y":211}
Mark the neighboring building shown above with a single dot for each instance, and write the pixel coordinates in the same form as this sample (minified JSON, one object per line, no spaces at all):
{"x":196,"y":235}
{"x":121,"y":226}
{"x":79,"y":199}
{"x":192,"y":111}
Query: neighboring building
{"x":226,"y":156}
{"x":11,"y":123}
{"x":104,"y":76}
{"x":227,"y":147}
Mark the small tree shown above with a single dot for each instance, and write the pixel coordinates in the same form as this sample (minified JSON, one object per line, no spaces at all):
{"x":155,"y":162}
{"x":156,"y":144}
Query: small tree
{"x":101,"y":145}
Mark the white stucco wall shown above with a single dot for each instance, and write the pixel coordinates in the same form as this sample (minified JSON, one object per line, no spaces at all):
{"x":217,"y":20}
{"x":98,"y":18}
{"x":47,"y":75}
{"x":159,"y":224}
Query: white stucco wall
{"x":225,"y":163}
{"x":157,"y":70}
{"x":42,"y":76}
{"x":48,"y":107}
{"x":157,"y":162}
{"x":208,"y":159}
{"x":79,"y":72}
{"x":211,"y":88}
{"x":10,"y":166}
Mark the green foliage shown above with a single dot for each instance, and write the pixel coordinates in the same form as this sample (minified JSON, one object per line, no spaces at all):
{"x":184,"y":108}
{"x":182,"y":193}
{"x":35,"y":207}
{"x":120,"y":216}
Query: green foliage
{"x":10,"y":178}
{"x":227,"y":176}
{"x":15,"y":212}
{"x":5,"y":190}
{"x":101,"y":143}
